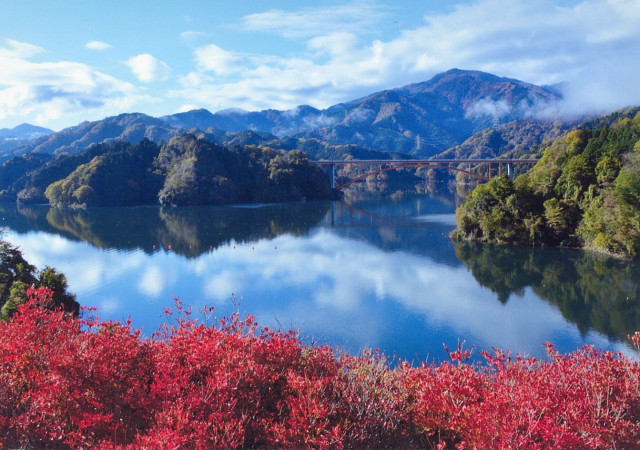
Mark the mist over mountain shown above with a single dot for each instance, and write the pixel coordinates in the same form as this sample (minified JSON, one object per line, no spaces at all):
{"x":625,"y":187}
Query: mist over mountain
{"x":14,"y":138}
{"x":420,"y":120}
{"x":24,"y":131}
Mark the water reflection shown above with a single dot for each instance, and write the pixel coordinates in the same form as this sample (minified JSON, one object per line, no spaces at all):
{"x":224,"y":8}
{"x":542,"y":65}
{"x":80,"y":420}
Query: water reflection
{"x":593,"y":291}
{"x":188,"y":231}
{"x":374,"y":274}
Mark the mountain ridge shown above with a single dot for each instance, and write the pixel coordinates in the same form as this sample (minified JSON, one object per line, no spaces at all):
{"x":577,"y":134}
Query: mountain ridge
{"x":24,"y":131}
{"x":420,"y":119}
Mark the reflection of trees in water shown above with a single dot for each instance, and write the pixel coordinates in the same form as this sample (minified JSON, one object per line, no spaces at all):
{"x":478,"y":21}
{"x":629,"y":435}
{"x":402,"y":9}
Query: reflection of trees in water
{"x":445,"y":193}
{"x":396,"y":226}
{"x":193,"y":230}
{"x":591,"y":290}
{"x":189,"y":231}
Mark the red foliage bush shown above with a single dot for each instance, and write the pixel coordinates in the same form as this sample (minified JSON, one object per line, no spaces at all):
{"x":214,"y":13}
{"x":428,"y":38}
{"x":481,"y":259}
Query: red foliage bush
{"x":69,"y":383}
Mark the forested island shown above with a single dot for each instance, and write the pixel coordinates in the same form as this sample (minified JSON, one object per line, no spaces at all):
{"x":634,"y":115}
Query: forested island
{"x":584,"y":192}
{"x":184,"y":171}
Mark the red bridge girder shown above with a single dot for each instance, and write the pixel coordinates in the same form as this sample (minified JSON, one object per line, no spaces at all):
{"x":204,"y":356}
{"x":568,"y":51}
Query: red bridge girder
{"x":449,"y":164}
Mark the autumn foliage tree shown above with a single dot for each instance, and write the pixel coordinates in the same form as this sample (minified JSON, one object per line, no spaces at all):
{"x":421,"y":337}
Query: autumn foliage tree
{"x":16,"y":275}
{"x":582,"y":193}
{"x":67,"y":382}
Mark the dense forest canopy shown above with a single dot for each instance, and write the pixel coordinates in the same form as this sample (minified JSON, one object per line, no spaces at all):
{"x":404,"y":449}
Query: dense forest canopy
{"x":184,"y":171}
{"x":584,"y":192}
{"x":17,"y":275}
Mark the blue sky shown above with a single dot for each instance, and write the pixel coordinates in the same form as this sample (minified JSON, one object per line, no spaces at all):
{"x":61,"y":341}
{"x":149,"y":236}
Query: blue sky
{"x":63,"y":62}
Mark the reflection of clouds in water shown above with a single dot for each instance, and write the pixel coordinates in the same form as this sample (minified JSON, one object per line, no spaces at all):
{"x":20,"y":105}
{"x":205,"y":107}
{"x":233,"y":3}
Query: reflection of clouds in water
{"x":86,"y":267}
{"x":109,"y":306}
{"x":332,"y":281}
{"x":155,"y":280}
{"x":220,"y":286}
{"x":448,"y":219}
{"x":324,"y":285}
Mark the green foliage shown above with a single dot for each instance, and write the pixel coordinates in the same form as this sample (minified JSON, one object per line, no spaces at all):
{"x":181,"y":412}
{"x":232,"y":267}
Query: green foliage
{"x":493,"y":212}
{"x":17,"y":296}
{"x":598,"y":297}
{"x":584,"y":191}
{"x":118,"y":177}
{"x":187,"y":171}
{"x":16,"y":275}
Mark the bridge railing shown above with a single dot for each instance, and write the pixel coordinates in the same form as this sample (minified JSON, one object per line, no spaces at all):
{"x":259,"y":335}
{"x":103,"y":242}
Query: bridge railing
{"x":461,"y":165}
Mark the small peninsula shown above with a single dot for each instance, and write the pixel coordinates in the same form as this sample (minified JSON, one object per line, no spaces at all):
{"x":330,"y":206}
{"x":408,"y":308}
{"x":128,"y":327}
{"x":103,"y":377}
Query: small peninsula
{"x":186,"y":170}
{"x":584,"y":192}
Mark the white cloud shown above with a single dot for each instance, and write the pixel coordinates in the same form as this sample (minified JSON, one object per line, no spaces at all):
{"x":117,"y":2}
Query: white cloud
{"x":45,"y":91}
{"x":217,"y":60}
{"x":592,"y":46}
{"x":16,"y":50}
{"x":193,"y":36}
{"x":97,"y":45}
{"x":488,"y":107}
{"x":357,"y":17}
{"x":148,"y":69}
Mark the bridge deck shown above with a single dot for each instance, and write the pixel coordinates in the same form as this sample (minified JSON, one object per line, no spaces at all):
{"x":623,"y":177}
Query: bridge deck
{"x":427,"y":161}
{"x":394,"y":164}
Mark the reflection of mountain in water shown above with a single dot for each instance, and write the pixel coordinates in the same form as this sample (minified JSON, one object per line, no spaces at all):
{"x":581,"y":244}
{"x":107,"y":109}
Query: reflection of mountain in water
{"x":189,"y":231}
{"x":419,"y":225}
{"x":593,"y":291}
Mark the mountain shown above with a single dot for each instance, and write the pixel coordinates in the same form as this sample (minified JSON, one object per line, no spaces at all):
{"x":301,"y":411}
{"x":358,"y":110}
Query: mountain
{"x":124,"y":127}
{"x":24,"y":131}
{"x":527,"y":137}
{"x":12,"y":140}
{"x":510,"y":140}
{"x":422,"y":119}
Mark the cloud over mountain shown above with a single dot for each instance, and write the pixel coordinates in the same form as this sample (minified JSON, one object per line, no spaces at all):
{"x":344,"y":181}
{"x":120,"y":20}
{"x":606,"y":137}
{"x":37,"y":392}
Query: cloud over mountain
{"x":283,"y":55}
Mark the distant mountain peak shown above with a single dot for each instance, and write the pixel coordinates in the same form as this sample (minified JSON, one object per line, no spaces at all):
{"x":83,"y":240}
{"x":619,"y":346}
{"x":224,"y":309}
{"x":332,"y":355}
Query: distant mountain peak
{"x":421,"y":119}
{"x":24,"y":131}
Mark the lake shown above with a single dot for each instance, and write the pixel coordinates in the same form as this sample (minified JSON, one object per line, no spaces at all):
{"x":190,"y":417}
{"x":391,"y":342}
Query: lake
{"x":377,"y":273}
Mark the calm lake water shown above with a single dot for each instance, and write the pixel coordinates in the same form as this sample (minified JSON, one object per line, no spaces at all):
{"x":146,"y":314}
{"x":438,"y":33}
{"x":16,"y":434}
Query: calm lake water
{"x":373,"y":274}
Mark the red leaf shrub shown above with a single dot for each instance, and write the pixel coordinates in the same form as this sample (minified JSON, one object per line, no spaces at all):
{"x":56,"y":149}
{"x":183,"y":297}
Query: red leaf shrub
{"x":63,"y":386}
{"x":69,"y":383}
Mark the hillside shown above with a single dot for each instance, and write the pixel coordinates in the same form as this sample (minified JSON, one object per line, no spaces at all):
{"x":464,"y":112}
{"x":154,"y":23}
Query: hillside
{"x":526,"y":137}
{"x":184,"y":171}
{"x":584,"y":192}
{"x":13,"y":139}
{"x":513,"y":139}
{"x":421,"y":119}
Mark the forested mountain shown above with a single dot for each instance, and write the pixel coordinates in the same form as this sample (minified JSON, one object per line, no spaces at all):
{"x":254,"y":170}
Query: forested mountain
{"x":184,"y":171}
{"x":23,"y":132}
{"x":125,"y":127}
{"x":526,"y":137}
{"x":585,"y":191}
{"x":510,"y":140}
{"x":421,"y":119}
{"x":17,"y":137}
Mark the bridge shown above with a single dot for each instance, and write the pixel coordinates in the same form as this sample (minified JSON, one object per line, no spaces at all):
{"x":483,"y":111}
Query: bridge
{"x":360,"y":169}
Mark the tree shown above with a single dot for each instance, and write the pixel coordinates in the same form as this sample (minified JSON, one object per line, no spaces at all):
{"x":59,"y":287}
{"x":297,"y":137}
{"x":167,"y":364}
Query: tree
{"x":17,"y":275}
{"x":584,"y":191}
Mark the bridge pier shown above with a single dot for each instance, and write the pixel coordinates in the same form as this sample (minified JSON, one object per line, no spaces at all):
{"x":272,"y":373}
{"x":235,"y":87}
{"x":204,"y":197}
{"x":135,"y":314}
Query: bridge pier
{"x":332,"y":175}
{"x":360,"y":173}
